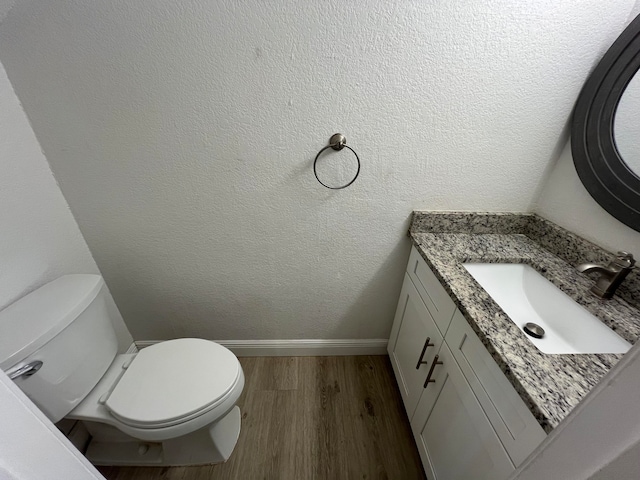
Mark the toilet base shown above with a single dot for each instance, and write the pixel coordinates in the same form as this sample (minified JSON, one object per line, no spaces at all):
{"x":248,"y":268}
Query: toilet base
{"x":211,"y":444}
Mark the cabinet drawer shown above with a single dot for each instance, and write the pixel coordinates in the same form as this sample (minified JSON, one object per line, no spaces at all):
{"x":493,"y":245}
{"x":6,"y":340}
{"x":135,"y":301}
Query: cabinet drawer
{"x":516,"y":426}
{"x":433,"y":294}
{"x":412,"y":327}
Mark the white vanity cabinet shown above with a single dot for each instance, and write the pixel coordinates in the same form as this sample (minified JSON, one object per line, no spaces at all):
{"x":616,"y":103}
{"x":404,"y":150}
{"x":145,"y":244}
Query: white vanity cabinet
{"x":467,"y":419}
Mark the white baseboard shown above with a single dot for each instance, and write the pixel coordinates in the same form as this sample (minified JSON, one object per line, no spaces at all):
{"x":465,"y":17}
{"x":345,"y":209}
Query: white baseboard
{"x":298,"y":348}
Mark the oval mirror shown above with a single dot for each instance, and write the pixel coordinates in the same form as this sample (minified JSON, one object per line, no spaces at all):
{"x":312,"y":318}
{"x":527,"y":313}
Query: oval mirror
{"x":605,"y":134}
{"x":626,"y":125}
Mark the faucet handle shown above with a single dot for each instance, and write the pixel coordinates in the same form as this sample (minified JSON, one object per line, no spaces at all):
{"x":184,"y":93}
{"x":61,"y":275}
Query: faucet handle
{"x":625,"y":259}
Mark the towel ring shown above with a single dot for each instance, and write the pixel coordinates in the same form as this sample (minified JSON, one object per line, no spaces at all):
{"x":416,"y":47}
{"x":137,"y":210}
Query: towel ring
{"x":337,"y":142}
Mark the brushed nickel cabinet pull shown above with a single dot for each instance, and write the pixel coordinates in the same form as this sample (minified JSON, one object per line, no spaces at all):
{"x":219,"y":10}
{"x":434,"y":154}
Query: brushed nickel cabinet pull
{"x":424,"y":349}
{"x":433,"y":365}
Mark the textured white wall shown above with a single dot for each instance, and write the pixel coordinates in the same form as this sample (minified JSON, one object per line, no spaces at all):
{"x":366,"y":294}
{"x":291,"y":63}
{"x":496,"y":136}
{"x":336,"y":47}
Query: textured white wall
{"x":565,"y":201}
{"x":39,"y":238}
{"x":182,"y":134}
{"x":5,"y":6}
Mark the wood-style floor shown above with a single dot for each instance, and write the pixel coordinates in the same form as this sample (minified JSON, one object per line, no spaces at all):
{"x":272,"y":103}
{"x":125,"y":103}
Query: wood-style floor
{"x":311,"y":418}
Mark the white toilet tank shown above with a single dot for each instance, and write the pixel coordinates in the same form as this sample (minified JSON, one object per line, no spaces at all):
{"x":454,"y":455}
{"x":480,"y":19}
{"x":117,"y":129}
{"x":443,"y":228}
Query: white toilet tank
{"x":64,"y":324}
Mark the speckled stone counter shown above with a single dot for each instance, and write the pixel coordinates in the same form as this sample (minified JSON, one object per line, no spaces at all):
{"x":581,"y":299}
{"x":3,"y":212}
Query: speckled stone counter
{"x":551,"y":385}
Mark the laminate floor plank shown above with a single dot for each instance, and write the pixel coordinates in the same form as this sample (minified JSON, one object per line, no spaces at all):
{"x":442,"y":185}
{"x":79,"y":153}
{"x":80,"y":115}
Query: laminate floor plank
{"x":311,"y":418}
{"x":383,"y":413}
{"x":275,"y":373}
{"x":303,"y":445}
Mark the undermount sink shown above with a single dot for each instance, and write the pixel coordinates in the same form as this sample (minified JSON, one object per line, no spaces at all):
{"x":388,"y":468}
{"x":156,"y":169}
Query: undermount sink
{"x":526,"y":296}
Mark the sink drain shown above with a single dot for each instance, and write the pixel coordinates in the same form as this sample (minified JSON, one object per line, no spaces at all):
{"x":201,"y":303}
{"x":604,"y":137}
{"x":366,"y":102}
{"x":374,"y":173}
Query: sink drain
{"x":533,"y":329}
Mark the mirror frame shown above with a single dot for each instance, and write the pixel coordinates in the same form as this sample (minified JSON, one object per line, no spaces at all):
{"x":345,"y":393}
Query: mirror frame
{"x":600,"y":167}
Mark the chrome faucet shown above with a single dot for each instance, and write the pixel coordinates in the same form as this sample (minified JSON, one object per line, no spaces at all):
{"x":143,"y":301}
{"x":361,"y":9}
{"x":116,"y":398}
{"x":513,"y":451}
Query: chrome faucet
{"x":611,"y":276}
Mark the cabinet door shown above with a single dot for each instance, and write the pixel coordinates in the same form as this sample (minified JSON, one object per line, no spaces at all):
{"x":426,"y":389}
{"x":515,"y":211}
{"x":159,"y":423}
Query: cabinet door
{"x":454,"y":437}
{"x":514,"y":423}
{"x":412,"y":326}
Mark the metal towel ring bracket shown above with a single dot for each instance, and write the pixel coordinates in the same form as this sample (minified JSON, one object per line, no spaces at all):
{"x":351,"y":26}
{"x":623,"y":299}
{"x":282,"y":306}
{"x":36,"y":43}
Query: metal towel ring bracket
{"x":337,"y":142}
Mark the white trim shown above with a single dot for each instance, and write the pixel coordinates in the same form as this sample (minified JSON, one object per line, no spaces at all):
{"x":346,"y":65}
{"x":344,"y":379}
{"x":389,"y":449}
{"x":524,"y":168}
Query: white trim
{"x":298,"y":348}
{"x":133,"y":348}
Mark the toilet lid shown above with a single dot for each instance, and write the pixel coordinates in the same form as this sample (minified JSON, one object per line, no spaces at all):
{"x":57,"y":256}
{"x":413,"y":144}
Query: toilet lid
{"x":173,"y":381}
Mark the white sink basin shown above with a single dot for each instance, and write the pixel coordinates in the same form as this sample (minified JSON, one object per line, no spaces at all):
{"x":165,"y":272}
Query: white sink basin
{"x":526,"y":296}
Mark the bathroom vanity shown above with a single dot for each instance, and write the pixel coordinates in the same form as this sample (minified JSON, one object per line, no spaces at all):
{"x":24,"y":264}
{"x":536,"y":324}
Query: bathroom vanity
{"x":479,"y":395}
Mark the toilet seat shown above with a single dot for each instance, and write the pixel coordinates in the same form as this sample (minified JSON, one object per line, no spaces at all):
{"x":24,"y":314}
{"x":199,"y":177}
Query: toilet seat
{"x":172,"y":382}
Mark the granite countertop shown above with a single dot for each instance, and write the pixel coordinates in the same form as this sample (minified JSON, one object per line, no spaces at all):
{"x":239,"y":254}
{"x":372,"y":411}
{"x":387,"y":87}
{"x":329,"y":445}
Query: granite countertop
{"x":550,"y":385}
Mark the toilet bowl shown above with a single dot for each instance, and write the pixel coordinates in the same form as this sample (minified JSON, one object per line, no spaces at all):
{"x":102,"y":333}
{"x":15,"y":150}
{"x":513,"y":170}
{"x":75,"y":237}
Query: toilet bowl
{"x":172,"y":403}
{"x":166,"y":391}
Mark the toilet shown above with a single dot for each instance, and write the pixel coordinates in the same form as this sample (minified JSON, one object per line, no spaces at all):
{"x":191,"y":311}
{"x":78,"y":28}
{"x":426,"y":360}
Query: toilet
{"x":172,"y":403}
